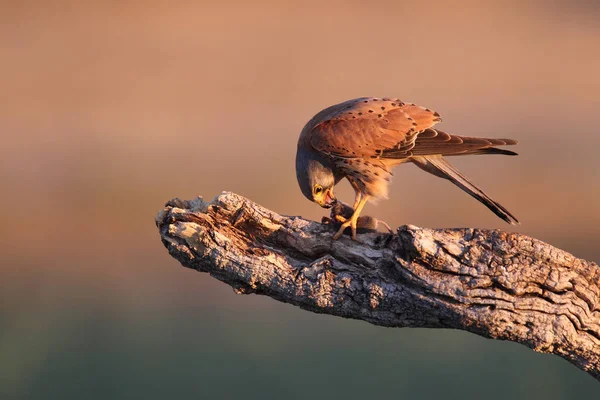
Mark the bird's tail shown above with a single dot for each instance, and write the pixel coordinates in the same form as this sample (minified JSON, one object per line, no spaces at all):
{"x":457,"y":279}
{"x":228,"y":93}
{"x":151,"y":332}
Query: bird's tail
{"x":438,"y":166}
{"x":489,"y":150}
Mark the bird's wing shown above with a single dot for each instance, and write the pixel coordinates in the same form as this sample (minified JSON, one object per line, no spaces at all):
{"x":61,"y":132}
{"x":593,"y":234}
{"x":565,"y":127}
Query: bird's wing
{"x":436,"y":142}
{"x":366,"y":127}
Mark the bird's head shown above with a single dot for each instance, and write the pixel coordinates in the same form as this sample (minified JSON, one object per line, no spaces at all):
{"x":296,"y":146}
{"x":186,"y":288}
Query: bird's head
{"x":316,"y":180}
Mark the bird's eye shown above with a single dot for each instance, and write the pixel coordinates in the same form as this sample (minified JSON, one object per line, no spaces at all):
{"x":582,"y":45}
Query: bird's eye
{"x":318,"y":189}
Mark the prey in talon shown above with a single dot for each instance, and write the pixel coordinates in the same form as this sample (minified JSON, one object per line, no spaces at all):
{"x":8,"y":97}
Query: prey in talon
{"x":341,"y":212}
{"x":363,"y":139}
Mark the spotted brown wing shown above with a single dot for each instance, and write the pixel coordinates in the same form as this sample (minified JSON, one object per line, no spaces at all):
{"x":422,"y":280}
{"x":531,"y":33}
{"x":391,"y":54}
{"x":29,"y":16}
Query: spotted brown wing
{"x":366,"y":128}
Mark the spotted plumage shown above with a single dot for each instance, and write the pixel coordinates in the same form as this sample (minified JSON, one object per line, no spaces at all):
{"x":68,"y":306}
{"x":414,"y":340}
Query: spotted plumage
{"x":363,"y":139}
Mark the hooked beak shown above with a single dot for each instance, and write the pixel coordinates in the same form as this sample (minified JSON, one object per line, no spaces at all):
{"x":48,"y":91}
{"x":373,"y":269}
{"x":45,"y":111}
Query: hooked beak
{"x":329,"y":199}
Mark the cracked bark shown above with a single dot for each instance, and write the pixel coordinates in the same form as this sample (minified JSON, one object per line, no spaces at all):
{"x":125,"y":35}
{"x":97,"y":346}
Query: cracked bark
{"x":495,"y":284}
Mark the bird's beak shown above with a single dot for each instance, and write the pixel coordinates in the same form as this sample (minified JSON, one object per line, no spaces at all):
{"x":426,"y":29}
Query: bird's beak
{"x":329,"y":199}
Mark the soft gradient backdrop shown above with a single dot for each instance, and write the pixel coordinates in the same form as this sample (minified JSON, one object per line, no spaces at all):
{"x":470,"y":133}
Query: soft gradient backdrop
{"x":109,"y":109}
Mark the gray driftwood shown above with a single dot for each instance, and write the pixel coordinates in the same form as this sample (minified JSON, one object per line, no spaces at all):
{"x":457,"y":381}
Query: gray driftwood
{"x":495,"y":284}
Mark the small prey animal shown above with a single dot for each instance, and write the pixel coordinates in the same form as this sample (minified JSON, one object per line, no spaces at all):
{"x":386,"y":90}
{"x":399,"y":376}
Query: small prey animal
{"x":341,"y":212}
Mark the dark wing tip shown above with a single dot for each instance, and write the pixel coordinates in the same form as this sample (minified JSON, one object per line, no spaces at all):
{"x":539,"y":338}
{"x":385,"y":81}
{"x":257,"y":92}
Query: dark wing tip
{"x":494,"y":150}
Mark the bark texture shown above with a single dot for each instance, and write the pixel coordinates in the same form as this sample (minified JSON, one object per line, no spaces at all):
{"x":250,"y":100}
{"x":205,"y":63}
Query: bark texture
{"x":495,"y":284}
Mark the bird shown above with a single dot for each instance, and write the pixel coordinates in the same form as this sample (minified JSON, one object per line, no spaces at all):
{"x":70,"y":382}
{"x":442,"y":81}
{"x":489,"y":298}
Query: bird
{"x":363,"y":139}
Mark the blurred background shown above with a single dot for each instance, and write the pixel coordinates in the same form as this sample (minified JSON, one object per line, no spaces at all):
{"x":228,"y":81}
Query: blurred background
{"x":109,"y":109}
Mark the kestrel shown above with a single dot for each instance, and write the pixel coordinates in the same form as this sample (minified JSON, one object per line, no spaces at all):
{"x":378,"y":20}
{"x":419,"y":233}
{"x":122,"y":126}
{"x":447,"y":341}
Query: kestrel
{"x":363,"y":139}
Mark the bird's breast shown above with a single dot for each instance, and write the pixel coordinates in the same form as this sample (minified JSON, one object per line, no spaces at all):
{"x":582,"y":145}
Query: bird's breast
{"x":371,"y":177}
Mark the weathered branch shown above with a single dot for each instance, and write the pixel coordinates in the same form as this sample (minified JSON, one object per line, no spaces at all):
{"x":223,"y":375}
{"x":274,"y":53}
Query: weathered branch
{"x":496,"y":284}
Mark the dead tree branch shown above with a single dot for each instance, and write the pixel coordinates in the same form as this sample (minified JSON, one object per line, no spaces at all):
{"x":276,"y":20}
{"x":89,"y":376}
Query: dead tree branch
{"x":495,"y":284}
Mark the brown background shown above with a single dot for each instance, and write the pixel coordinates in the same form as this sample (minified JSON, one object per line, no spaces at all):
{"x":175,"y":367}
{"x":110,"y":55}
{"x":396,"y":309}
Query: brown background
{"x":110,"y":109}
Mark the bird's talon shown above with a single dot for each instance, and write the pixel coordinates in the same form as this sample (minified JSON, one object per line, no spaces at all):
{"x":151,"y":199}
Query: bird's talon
{"x":340,"y":231}
{"x":340,"y":219}
{"x":349,"y":223}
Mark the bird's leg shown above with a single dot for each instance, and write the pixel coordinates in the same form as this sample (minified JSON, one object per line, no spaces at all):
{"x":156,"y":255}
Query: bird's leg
{"x":357,"y":197}
{"x":352,"y":221}
{"x":358,"y":193}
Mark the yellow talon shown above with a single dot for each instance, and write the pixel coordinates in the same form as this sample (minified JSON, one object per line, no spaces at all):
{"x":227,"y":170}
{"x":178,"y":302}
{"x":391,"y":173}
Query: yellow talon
{"x":340,"y":219}
{"x":352,"y":223}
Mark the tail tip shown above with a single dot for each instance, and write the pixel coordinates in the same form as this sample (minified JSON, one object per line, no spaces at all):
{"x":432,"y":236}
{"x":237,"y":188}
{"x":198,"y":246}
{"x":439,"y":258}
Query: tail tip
{"x":512,"y":221}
